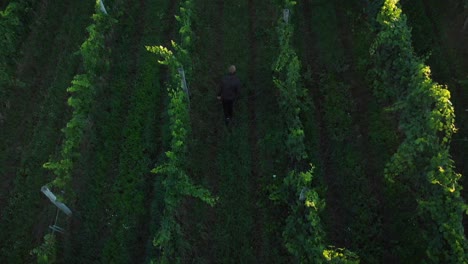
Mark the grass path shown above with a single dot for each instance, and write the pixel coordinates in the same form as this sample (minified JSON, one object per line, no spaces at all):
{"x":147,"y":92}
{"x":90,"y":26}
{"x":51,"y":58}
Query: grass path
{"x":337,"y":85}
{"x":229,"y":160}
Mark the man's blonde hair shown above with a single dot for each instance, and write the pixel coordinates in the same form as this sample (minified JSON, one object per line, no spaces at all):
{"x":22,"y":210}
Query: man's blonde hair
{"x":232,"y":69}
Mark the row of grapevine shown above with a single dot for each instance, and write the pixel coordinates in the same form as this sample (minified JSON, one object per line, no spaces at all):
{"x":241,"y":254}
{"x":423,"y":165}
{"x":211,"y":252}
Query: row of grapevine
{"x":422,"y":168}
{"x":177,"y":184}
{"x":138,"y":141}
{"x":94,"y":54}
{"x":304,"y":235}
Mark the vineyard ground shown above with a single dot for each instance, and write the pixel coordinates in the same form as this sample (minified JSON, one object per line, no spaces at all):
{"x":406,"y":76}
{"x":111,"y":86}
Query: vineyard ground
{"x":237,"y":164}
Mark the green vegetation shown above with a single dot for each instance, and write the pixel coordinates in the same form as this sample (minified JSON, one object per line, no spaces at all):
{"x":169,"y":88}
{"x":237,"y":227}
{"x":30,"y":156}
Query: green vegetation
{"x":94,"y":63}
{"x":81,"y":101}
{"x":298,"y":185}
{"x":422,"y":167}
{"x":177,"y":184}
{"x":12,"y":30}
{"x":345,"y":147}
{"x":34,"y":110}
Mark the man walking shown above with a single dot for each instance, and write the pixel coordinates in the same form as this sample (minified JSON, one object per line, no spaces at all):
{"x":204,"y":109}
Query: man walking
{"x":229,"y":91}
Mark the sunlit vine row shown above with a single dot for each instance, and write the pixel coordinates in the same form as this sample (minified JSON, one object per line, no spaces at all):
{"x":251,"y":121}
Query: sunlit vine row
{"x":422,"y":167}
{"x":169,"y":239}
{"x":304,"y":235}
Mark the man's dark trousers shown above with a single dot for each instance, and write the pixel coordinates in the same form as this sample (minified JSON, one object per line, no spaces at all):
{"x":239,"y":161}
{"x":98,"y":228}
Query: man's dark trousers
{"x":227,"y":106}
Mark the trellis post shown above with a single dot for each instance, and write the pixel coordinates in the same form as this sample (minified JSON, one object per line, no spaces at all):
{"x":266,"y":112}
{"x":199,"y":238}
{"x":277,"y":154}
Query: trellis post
{"x":103,"y":8}
{"x":60,"y":207}
{"x":286,"y":15}
{"x":184,"y":83}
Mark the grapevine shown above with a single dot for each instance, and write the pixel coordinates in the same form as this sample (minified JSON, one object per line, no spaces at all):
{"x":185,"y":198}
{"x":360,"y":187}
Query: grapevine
{"x":422,"y":167}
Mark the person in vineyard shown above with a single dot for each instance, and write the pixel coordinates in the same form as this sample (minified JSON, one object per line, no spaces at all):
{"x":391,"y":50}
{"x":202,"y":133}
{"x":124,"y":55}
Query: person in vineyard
{"x":229,"y":91}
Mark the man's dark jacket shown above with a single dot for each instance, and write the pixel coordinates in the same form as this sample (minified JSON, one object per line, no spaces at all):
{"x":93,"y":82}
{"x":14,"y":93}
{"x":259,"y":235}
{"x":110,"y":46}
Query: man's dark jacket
{"x":229,"y":88}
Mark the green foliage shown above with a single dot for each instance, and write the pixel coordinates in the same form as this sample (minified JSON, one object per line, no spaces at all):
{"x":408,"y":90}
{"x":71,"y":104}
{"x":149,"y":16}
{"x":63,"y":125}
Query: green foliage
{"x":185,"y":21}
{"x":303,"y":237}
{"x":93,"y":52}
{"x":422,"y":167}
{"x":340,"y":256}
{"x":8,"y":24}
{"x":287,"y":81}
{"x":11,"y":30}
{"x":303,"y":234}
{"x":177,"y":183}
{"x":168,"y":56}
{"x":39,"y":111}
{"x":93,"y":49}
{"x":46,"y":253}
